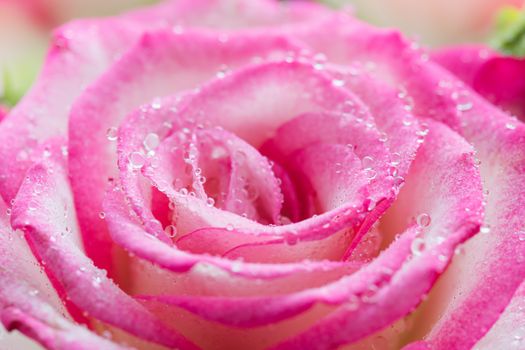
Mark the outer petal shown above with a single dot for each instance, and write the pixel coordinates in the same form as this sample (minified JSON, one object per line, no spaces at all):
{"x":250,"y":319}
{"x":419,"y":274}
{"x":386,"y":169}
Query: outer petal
{"x":488,"y":280}
{"x":43,"y":112}
{"x":41,"y":209}
{"x":509,"y":330}
{"x":29,"y":303}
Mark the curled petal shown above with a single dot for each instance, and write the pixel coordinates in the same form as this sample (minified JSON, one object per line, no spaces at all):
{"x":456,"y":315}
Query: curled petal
{"x":42,"y":213}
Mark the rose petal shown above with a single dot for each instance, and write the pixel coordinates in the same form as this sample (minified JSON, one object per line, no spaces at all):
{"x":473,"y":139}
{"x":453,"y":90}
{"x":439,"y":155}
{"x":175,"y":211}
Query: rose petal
{"x":498,"y":140}
{"x":89,"y":44}
{"x":443,"y":192}
{"x":464,"y":61}
{"x":174,"y":62}
{"x":508,"y":331}
{"x":490,"y":74}
{"x":130,"y":235}
{"x":42,"y":217}
{"x":29,"y":303}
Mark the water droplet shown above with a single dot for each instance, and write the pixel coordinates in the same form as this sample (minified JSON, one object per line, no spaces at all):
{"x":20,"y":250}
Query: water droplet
{"x":47,"y":152}
{"x":423,"y":220}
{"x":521,"y":235}
{"x":418,"y":246}
{"x":338,"y":82}
{"x":395,"y":158}
{"x":319,"y":61}
{"x":151,"y":141}
{"x":485,"y":229}
{"x":218,"y":152}
{"x":171,"y":231}
{"x":32,"y":205}
{"x":97,"y":280}
{"x":251,"y":192}
{"x":112,"y":133}
{"x":102,"y":215}
{"x":459,"y":250}
{"x":393,"y":171}
{"x":367,"y":162}
{"x":510,"y":125}
{"x":222,"y":72}
{"x":399,"y":180}
{"x":136,"y":160}
{"x":465,"y":106}
{"x":229,"y":227}
{"x":370,"y":174}
{"x":210,"y":202}
{"x":156,"y":104}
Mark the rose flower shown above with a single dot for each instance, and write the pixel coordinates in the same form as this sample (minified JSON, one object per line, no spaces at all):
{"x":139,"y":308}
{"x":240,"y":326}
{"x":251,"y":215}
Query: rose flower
{"x":258,"y":175}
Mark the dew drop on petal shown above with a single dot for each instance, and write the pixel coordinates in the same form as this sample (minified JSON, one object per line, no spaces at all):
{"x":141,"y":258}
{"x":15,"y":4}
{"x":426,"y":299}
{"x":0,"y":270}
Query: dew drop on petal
{"x":423,"y":220}
{"x":484,"y":229}
{"x":111,"y":133}
{"x":370,"y":174}
{"x":418,"y":246}
{"x":229,"y":227}
{"x":367,"y":162}
{"x":222,"y":72}
{"x":136,"y":160}
{"x":32,"y":205}
{"x":210,"y":202}
{"x":151,"y":141}
{"x":464,"y":106}
{"x":338,"y":82}
{"x":156,"y":104}
{"x":102,"y":215}
{"x":459,"y":250}
{"x":395,"y":158}
{"x":319,"y":61}
{"x":171,"y":231}
{"x":510,"y":126}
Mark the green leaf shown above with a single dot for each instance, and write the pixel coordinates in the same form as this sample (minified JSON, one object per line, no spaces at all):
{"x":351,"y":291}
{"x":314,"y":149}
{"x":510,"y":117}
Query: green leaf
{"x":17,"y":76}
{"x":509,"y":35}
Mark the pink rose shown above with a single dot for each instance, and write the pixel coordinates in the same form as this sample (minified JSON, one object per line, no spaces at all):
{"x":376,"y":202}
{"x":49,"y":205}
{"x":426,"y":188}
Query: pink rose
{"x":258,"y":175}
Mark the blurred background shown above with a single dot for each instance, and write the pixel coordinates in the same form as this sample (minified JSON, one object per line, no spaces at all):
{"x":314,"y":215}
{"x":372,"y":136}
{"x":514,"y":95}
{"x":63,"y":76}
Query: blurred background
{"x":25,"y":26}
